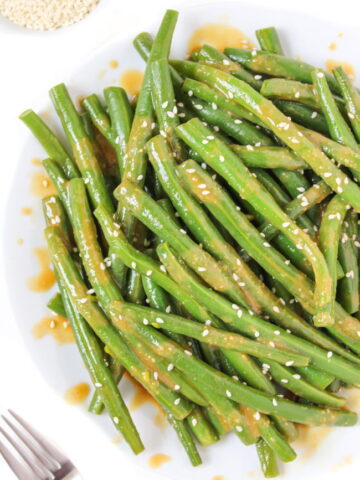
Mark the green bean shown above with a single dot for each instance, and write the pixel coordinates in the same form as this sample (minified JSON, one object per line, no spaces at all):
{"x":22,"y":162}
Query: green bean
{"x":329,"y":234}
{"x":351,"y":98}
{"x":81,"y":146}
{"x":348,"y":292}
{"x":210,"y":95}
{"x":182,"y":431}
{"x":56,"y":305}
{"x":269,"y":157}
{"x":267,"y":459}
{"x":303,"y":115}
{"x":276,"y":65}
{"x":269,"y":40}
{"x":242,"y":131}
{"x":210,"y":55}
{"x":201,"y":427}
{"x":50,"y":142}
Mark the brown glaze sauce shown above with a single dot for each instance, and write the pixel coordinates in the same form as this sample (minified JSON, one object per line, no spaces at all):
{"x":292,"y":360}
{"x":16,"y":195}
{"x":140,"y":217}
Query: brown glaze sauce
{"x":131,"y":80}
{"x":310,"y":438}
{"x":56,"y":326}
{"x":157,"y":460}
{"x":141,"y":397}
{"x":26,"y":211}
{"x":220,"y":36}
{"x":113,"y":64}
{"x":42,"y":186}
{"x":332,"y":46}
{"x":348,"y":67}
{"x":218,"y":477}
{"x":77,"y":394}
{"x":45,"y":279}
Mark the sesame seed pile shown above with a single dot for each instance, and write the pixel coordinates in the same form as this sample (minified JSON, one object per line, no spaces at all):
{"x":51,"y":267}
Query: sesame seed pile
{"x":46,"y":14}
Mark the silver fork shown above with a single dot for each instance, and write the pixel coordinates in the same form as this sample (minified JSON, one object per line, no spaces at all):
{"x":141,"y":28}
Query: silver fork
{"x":30,"y":455}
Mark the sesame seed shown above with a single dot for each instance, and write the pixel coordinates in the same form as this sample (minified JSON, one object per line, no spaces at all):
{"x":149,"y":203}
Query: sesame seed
{"x":183,"y":231}
{"x":159,"y":320}
{"x":296,"y":376}
{"x":284,"y":380}
{"x":314,"y":115}
{"x":170,"y":367}
{"x":214,"y":106}
{"x":235,"y":307}
{"x":168,"y":309}
{"x":208,"y":322}
{"x":149,"y":272}
{"x":177,"y":401}
{"x":205,"y":332}
{"x":256,"y":334}
{"x":170,"y":114}
{"x":329,"y":354}
{"x":193,"y":422}
{"x":221,"y":158}
{"x":319,"y":74}
{"x":177,"y":387}
{"x":239,"y":428}
{"x":201,"y":269}
{"x":188,"y":352}
{"x":277,"y":332}
{"x":116,"y":420}
{"x":228,"y":394}
{"x":156,"y":375}
{"x":258,"y":77}
{"x":257,"y":415}
{"x":198,"y":106}
{"x":266,"y":244}
{"x":276,"y":309}
{"x":145,"y":321}
{"x":274,"y":402}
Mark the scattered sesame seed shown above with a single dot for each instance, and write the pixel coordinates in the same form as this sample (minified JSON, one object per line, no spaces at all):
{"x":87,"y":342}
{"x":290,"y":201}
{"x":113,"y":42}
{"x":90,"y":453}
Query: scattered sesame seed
{"x":289,"y":363}
{"x":188,"y":352}
{"x":274,"y":402}
{"x":193,"y":422}
{"x":284,"y":380}
{"x":170,"y":367}
{"x":145,"y":321}
{"x":257,"y":415}
{"x":190,"y":93}
{"x":198,"y":106}
{"x":329,"y":354}
{"x":116,"y":420}
{"x":228,"y":393}
{"x":296,"y":376}
{"x":177,"y":401}
{"x":205,"y":332}
{"x":239,"y":428}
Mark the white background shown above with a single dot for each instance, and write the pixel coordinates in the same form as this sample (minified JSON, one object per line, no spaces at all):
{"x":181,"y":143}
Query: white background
{"x":30,"y":63}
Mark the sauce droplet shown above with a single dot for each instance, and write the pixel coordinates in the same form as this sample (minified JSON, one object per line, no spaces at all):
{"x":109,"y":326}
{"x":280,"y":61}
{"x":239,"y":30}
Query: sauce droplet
{"x":77,"y":394}
{"x":46,"y":278}
{"x":220,"y":36}
{"x":56,"y":326}
{"x":118,"y":439}
{"x":310,"y":438}
{"x":332,"y":46}
{"x":157,"y":460}
{"x":20,"y":241}
{"x":347,"y":460}
{"x":26,"y":211}
{"x":36,"y":162}
{"x":131,"y":80}
{"x":42,"y":186}
{"x":113,"y":64}
{"x":348,"y":68}
{"x":218,"y":477}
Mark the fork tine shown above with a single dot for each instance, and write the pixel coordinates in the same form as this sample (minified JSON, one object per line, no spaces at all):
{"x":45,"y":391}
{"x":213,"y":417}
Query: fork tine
{"x":21,"y":469}
{"x":35,"y":467}
{"x":36,"y":449}
{"x":54,"y":453}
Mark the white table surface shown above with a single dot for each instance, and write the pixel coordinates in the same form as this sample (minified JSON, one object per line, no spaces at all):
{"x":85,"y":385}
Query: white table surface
{"x":30,"y":64}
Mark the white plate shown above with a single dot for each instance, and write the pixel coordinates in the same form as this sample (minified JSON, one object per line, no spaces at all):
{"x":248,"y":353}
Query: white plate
{"x":61,"y":366}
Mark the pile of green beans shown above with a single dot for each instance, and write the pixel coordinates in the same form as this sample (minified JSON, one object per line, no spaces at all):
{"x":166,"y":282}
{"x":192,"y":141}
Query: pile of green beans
{"x":222,"y":271}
